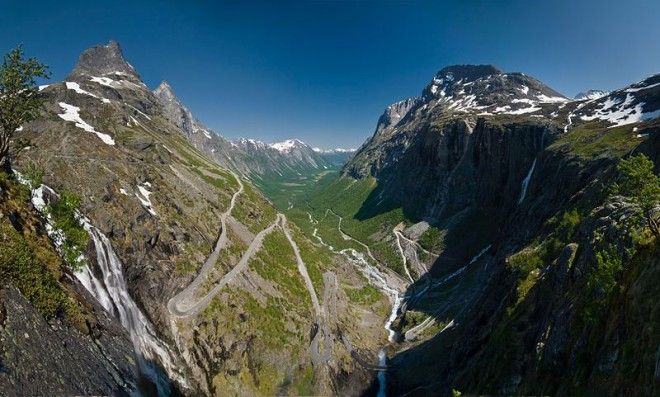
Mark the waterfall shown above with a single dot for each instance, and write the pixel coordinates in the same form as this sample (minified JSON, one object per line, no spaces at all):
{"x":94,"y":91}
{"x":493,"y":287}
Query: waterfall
{"x":382,"y":361}
{"x":112,"y":293}
{"x":525,"y":182}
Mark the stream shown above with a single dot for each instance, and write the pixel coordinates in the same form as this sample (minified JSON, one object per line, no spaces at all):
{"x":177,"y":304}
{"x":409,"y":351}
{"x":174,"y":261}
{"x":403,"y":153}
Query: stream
{"x":376,"y":278}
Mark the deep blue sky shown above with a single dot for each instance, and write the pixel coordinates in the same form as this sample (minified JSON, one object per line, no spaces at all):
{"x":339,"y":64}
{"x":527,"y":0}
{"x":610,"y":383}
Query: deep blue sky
{"x":324,"y":71}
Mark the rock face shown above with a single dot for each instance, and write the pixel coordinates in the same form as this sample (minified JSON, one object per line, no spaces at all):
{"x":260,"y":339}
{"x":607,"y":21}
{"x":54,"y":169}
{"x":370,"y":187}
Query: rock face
{"x":40,"y":358}
{"x":103,"y":60}
{"x":247,"y":156}
{"x":499,"y":160}
{"x":394,"y":113}
{"x":174,"y":109}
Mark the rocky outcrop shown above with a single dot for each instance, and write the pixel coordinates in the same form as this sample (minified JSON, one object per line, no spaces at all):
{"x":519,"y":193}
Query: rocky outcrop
{"x":394,"y":113}
{"x":104,"y":60}
{"x":39,"y":358}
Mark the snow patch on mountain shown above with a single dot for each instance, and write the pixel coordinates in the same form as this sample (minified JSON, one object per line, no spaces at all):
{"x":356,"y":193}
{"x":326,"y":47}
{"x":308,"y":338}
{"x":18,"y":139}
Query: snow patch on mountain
{"x":108,"y":82}
{"x":143,"y":196}
{"x":287,"y":146}
{"x":622,"y":111}
{"x":76,"y":87}
{"x":72,"y":113}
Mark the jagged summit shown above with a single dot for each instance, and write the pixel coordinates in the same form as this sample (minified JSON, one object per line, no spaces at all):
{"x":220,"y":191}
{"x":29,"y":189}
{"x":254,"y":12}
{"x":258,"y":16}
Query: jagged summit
{"x":175,"y":111}
{"x":164,"y":89}
{"x":102,"y":60}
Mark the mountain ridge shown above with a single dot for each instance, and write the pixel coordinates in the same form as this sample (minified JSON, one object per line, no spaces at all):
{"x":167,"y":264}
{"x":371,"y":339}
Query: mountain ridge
{"x":154,"y":206}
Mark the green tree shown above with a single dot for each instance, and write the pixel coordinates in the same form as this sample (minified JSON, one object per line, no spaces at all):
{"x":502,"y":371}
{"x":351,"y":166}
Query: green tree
{"x":639,"y":182}
{"x":19,"y":96}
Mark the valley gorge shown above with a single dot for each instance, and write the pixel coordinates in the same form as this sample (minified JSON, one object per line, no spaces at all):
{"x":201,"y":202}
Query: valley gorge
{"x":484,"y":240}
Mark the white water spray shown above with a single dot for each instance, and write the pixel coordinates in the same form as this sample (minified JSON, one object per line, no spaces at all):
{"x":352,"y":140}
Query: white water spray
{"x":112,"y":294}
{"x":382,"y":361}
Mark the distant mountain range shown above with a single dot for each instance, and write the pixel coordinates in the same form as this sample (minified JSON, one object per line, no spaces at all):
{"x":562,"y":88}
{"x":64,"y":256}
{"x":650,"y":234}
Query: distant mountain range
{"x":247,"y":156}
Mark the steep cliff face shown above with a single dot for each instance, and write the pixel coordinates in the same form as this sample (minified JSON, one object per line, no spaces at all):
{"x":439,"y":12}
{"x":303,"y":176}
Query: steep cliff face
{"x":490,"y":195}
{"x":544,"y":321}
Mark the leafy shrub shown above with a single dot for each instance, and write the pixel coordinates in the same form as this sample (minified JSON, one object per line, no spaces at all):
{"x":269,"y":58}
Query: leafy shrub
{"x":28,"y":267}
{"x":63,"y":213}
{"x":602,"y":282}
{"x":638,"y":181}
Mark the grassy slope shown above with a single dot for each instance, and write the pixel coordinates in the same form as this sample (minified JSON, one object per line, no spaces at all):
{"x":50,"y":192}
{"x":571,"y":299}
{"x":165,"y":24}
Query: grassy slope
{"x":29,"y":262}
{"x":298,"y":195}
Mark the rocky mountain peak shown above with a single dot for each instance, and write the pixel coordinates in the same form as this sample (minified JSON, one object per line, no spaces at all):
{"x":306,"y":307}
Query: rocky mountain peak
{"x":174,"y":110}
{"x":487,"y":90}
{"x":467,"y":72}
{"x":394,"y":113}
{"x":102,"y":60}
{"x":164,"y":90}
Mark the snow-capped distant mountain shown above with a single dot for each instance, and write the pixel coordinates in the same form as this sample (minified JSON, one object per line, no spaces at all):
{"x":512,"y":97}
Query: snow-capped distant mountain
{"x":247,"y":156}
{"x":335,"y":150}
{"x":279,"y":157}
{"x":288,"y":145}
{"x":590,"y":94}
{"x":337,"y":156}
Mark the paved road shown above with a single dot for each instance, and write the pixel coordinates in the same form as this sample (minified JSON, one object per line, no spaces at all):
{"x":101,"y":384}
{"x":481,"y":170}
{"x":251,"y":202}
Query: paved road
{"x":183,"y":297}
{"x":397,"y":234}
{"x":191,"y":309}
{"x":302,"y":268}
